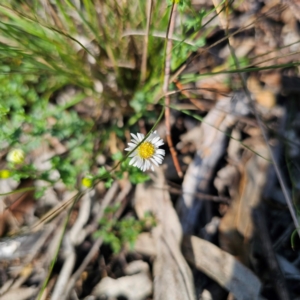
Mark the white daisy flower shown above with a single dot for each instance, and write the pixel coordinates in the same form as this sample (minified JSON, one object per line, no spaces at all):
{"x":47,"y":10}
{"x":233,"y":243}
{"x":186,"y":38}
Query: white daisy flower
{"x":147,"y":153}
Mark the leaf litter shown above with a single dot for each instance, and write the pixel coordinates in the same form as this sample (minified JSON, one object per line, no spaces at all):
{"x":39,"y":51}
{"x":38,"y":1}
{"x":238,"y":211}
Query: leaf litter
{"x":223,"y":231}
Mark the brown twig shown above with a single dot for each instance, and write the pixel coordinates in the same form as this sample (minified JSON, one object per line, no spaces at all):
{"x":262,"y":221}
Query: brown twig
{"x":188,"y":95}
{"x":170,"y":31}
{"x":198,"y":196}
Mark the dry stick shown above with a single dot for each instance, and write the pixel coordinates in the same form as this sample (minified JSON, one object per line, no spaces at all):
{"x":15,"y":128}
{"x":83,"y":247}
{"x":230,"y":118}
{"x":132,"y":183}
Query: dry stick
{"x":265,"y":137}
{"x":170,"y":31}
{"x":146,"y":40}
{"x":72,"y":238}
{"x":109,"y":197}
{"x":72,"y":281}
{"x":66,"y":270}
{"x":199,"y":196}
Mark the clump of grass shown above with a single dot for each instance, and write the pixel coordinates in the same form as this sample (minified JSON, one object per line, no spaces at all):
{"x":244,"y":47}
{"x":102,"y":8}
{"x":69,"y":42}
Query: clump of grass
{"x":47,"y":46}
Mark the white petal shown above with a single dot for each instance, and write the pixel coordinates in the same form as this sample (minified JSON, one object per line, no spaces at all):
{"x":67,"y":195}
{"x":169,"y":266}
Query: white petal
{"x":134,"y":136}
{"x":159,"y":157}
{"x":133,"y":141}
{"x":155,"y":140}
{"x":154,"y":161}
{"x":158,"y":160}
{"x":132,"y":145}
{"x":132,"y":161}
{"x":136,"y":160}
{"x":159,"y":143}
{"x":140,"y":136}
{"x":154,"y":134}
{"x":139,"y":163}
{"x":133,"y":154}
{"x":146,"y":165}
{"x":160,"y":151}
{"x":130,"y":148}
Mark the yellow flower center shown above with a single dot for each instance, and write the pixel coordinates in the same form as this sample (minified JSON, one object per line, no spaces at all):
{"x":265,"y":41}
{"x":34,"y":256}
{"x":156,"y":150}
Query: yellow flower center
{"x":146,"y":150}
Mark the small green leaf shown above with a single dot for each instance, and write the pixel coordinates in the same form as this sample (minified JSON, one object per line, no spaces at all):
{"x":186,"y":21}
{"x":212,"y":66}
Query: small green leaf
{"x":39,"y":192}
{"x":108,"y":183}
{"x":3,"y":110}
{"x":102,"y":171}
{"x":138,"y":177}
{"x":117,"y":156}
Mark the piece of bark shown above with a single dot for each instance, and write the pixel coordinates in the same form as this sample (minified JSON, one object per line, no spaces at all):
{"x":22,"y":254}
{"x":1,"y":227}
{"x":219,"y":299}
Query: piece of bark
{"x":221,"y":267}
{"x":144,"y":244}
{"x":294,"y":7}
{"x":136,"y":286}
{"x":24,"y":246}
{"x":211,"y":147}
{"x":20,"y":293}
{"x":172,"y":275}
{"x":237,"y":226}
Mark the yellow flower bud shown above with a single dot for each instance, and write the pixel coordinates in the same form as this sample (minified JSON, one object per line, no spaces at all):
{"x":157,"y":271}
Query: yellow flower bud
{"x":4,"y":174}
{"x":87,"y":181}
{"x":16,"y":156}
